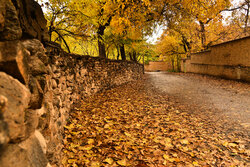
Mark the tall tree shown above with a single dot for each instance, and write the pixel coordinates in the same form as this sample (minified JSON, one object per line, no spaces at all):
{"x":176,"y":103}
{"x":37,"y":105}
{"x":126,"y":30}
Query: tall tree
{"x":200,"y":12}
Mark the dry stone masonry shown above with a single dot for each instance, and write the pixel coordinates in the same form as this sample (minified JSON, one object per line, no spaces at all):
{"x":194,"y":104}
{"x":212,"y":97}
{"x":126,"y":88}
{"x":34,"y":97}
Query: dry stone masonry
{"x":39,"y":85}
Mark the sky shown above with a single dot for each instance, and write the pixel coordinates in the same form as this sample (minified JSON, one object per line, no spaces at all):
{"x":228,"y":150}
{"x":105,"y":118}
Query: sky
{"x":159,"y":29}
{"x":156,"y":34}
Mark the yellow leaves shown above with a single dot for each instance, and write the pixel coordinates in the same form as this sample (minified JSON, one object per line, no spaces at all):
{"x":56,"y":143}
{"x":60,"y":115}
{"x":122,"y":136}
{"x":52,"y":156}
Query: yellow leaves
{"x":167,"y":142}
{"x":127,"y":134}
{"x":166,"y":157}
{"x":95,"y":164}
{"x":195,"y":163}
{"x":123,"y":162}
{"x":72,"y":161}
{"x":70,"y":127}
{"x":106,"y":126}
{"x":158,"y":136}
{"x":184,"y":141}
{"x":110,"y":161}
{"x":91,"y":141}
{"x":228,"y":144}
{"x":86,"y":148}
{"x":232,"y":145}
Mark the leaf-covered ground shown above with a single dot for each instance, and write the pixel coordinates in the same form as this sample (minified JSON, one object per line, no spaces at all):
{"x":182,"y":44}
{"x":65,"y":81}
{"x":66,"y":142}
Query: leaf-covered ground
{"x":134,"y":125}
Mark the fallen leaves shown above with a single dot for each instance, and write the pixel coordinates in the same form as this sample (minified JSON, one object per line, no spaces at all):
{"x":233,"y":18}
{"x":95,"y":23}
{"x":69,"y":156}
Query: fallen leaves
{"x":110,"y":161}
{"x":134,"y":126}
{"x":123,"y":162}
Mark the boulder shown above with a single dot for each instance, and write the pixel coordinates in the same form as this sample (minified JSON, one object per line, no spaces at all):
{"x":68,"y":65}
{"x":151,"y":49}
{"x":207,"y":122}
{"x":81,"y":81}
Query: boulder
{"x":18,"y":97}
{"x":37,"y":67}
{"x":34,"y":46}
{"x":3,"y":125}
{"x":2,"y":13}
{"x":10,"y":28}
{"x":29,"y":153}
{"x":32,"y":20}
{"x":36,"y":94}
{"x":35,"y":146}
{"x":14,"y":155}
{"x":31,"y":122}
{"x":36,"y":49}
{"x":14,"y":60}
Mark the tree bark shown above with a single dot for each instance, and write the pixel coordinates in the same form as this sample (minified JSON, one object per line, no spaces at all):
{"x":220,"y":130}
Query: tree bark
{"x":134,"y":56}
{"x":130,"y":56}
{"x":178,"y":63}
{"x":118,"y":53}
{"x":101,"y":45}
{"x":122,"y":50}
{"x":67,"y":46}
{"x":172,"y":62}
{"x":247,"y":16}
{"x":203,"y":35}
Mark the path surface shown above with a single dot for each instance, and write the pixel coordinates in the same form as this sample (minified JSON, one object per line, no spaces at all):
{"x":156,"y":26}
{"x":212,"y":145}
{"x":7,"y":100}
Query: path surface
{"x":138,"y":125}
{"x":229,"y":98}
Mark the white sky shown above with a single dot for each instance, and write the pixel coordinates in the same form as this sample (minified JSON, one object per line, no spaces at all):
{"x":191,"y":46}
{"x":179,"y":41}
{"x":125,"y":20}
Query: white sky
{"x":159,"y":29}
{"x":156,"y":34}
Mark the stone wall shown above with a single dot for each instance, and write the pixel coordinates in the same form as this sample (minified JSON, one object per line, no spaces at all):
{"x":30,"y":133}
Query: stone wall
{"x":228,"y":60}
{"x":39,"y":86}
{"x":158,"y":66}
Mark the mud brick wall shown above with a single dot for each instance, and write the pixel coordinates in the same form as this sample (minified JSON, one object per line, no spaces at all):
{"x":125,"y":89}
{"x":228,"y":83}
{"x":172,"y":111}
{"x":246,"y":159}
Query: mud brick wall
{"x":39,"y":85}
{"x":229,"y":60}
{"x":158,"y":66}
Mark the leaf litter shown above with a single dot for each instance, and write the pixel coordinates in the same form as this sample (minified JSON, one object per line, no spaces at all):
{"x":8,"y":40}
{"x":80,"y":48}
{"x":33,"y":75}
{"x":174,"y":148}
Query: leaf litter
{"x":134,"y":125}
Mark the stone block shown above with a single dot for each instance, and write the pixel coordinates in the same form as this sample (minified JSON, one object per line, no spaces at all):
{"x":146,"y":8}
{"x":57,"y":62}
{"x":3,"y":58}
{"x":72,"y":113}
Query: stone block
{"x":14,"y":60}
{"x":32,"y":20}
{"x":36,"y":94}
{"x":33,"y":46}
{"x":18,"y":99}
{"x":34,"y":150}
{"x":14,"y":156}
{"x":3,"y":125}
{"x":54,"y":83}
{"x":41,"y":140}
{"x":2,"y":14}
{"x":31,"y":121}
{"x":37,"y":67}
{"x":10,"y":28}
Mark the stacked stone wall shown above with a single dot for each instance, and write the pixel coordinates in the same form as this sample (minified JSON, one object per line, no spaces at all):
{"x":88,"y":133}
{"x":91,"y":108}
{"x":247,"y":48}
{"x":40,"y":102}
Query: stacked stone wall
{"x":39,"y":86}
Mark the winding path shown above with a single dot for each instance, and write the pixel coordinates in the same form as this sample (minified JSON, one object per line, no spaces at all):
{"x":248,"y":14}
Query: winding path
{"x":230,"y":98}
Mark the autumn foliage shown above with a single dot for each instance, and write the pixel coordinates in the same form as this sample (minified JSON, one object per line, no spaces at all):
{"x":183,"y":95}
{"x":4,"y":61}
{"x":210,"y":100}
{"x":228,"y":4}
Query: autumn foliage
{"x":120,"y":28}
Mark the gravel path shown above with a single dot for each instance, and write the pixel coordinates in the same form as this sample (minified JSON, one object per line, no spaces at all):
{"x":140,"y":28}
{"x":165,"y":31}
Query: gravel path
{"x":230,"y":99}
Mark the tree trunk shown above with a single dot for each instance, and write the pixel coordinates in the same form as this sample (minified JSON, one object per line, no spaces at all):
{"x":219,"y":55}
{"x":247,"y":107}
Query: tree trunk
{"x":186,"y":44}
{"x":203,"y":35}
{"x":122,"y":50}
{"x":118,"y":53}
{"x":130,"y":56}
{"x":134,"y":56}
{"x":172,"y":62}
{"x":178,"y":63}
{"x":101,"y":45}
{"x":247,"y":16}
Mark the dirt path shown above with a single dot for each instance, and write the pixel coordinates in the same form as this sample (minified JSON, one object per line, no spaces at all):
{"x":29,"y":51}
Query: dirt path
{"x":229,"y":99}
{"x":137,"y":125}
